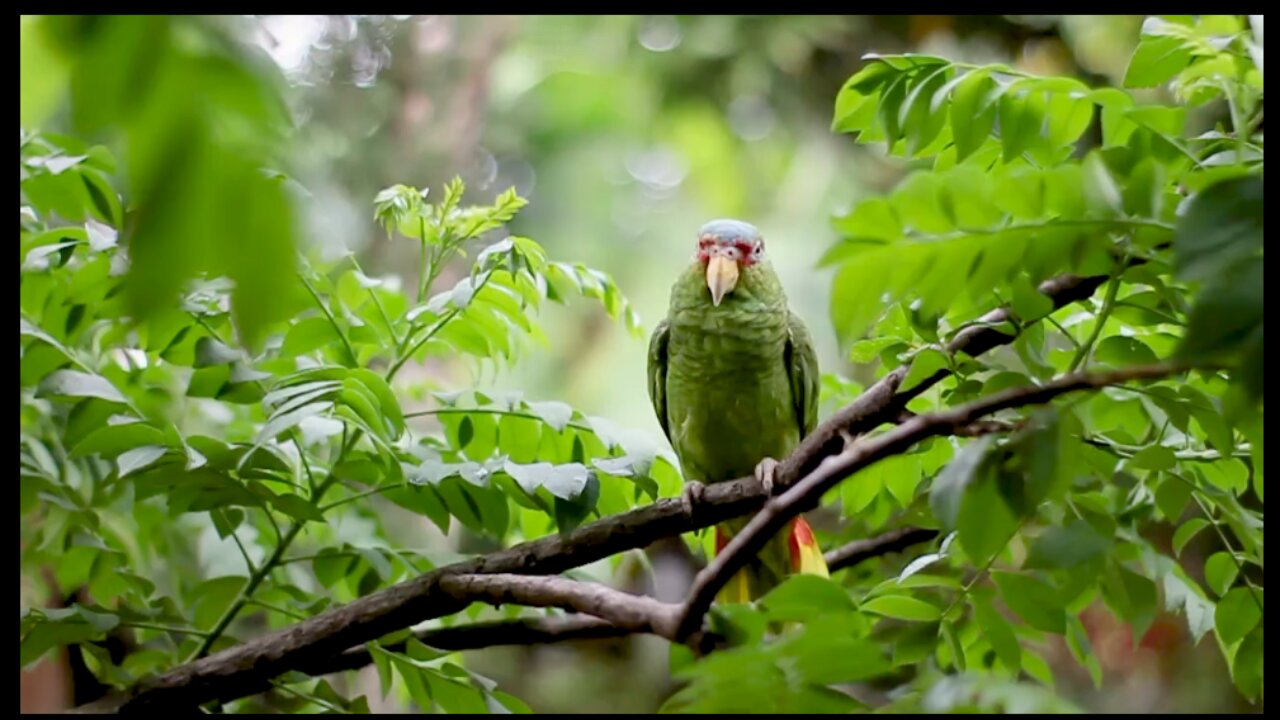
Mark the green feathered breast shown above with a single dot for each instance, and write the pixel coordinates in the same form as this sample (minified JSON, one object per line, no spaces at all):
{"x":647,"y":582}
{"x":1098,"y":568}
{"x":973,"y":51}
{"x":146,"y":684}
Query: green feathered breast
{"x":734,"y":384}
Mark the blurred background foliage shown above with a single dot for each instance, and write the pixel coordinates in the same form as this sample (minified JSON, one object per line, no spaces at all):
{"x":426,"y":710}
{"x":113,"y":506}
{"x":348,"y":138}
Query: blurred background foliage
{"x":625,"y":133}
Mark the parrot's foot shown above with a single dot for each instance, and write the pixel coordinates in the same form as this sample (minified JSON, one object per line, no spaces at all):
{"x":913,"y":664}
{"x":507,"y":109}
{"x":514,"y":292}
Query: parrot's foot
{"x":766,"y":471}
{"x":692,"y":496}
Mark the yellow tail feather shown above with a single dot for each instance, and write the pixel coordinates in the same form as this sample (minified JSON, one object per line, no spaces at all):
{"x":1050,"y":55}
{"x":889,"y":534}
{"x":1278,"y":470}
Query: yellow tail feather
{"x":804,"y":554}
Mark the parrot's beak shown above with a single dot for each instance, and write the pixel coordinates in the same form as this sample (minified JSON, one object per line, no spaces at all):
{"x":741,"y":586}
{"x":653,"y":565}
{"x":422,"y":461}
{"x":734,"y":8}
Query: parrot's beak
{"x":722,"y":276}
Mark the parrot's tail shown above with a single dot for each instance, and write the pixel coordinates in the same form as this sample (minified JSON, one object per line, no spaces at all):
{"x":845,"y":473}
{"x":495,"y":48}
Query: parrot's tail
{"x":793,"y":551}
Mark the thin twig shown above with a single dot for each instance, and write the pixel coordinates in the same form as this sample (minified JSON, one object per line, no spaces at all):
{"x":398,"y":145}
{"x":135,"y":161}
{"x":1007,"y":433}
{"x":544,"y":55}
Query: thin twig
{"x":859,"y":551}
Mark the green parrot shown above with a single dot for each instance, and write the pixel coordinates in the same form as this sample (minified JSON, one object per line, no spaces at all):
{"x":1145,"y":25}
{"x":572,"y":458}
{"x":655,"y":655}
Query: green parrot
{"x":734,"y":381}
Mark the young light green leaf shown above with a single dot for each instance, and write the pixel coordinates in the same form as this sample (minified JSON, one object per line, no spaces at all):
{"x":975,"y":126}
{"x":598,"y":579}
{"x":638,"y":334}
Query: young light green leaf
{"x":1237,"y":613}
{"x":902,"y":607}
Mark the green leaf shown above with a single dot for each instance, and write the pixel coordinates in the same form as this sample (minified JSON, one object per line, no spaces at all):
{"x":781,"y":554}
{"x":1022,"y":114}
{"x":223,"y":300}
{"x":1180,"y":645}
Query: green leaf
{"x":1131,"y":596}
{"x":519,"y":438}
{"x":1157,"y":60}
{"x":924,"y":365}
{"x":1179,"y":594}
{"x":948,"y":489}
{"x":1227,"y":315}
{"x":999,"y":633}
{"x":922,"y":117}
{"x":1028,"y":302}
{"x":555,"y":414}
{"x":973,"y":112}
{"x":73,"y":383}
{"x":1222,"y":225}
{"x":211,"y":598}
{"x":1246,"y":665}
{"x":284,"y":421}
{"x":826,"y":658}
{"x":1220,"y":571}
{"x":1120,"y":351}
{"x":1187,"y":531}
{"x":386,"y":399}
{"x":58,"y":627}
{"x":455,"y":697}
{"x":855,"y":103}
{"x":364,"y":403}
{"x":1155,"y":457}
{"x":1101,"y":191}
{"x":867,"y":350}
{"x":139,"y":458}
{"x":307,"y":335}
{"x":801,"y":597}
{"x":563,"y":481}
{"x":331,"y":567}
{"x":1021,"y":118}
{"x":902,"y":607}
{"x":295,"y":507}
{"x":986,"y":522}
{"x":1032,"y":600}
{"x":1171,"y":497}
{"x":210,"y":351}
{"x":117,"y":437}
{"x":1069,"y":546}
{"x":1236,"y":615}
{"x":1082,"y":649}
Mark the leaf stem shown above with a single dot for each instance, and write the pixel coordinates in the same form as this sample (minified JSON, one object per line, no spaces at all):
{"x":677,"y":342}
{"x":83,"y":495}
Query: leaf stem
{"x":399,"y":363}
{"x":377,"y":302}
{"x":328,"y":314}
{"x":161,"y":628}
{"x":361,"y":495}
{"x":493,"y":411}
{"x":1223,"y":537}
{"x":1108,"y":303}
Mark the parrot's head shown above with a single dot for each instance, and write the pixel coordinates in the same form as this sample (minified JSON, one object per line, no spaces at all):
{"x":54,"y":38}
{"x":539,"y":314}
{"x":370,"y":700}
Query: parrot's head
{"x":727,"y":248}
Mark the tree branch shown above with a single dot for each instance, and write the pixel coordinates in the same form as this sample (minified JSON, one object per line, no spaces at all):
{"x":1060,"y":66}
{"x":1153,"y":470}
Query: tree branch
{"x":780,"y":510}
{"x":634,"y":613}
{"x":238,"y":671}
{"x":859,"y":551}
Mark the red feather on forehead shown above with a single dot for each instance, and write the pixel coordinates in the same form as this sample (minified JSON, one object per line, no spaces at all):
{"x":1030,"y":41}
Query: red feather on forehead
{"x":746,"y":252}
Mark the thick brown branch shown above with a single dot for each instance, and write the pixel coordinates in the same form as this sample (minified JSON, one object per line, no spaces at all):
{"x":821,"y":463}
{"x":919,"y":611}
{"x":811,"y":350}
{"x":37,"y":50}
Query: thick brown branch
{"x":637,"y":613}
{"x":521,"y":631}
{"x":239,"y":671}
{"x":778,"y":511}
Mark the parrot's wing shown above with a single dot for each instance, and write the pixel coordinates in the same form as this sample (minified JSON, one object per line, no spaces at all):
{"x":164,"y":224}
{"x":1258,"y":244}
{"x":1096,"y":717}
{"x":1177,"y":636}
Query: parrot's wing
{"x":802,"y":370}
{"x":658,"y":373}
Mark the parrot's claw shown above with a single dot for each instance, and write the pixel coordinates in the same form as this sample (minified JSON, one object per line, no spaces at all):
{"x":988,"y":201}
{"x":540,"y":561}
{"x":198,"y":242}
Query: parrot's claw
{"x":766,"y":470}
{"x":692,"y":496}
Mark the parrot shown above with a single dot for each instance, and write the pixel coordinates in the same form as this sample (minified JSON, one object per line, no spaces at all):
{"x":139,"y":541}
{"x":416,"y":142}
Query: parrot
{"x":733,"y":378}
